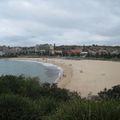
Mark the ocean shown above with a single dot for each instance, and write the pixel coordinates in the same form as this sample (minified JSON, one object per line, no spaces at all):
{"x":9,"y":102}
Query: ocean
{"x":44,"y":71}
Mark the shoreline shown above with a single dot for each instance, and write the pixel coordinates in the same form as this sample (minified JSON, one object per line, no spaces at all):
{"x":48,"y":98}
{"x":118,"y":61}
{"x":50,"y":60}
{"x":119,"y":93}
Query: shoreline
{"x":84,"y":76}
{"x":63,"y":78}
{"x":61,"y":71}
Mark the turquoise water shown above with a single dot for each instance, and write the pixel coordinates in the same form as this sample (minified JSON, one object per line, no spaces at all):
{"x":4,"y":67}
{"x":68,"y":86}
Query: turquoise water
{"x":46,"y":73}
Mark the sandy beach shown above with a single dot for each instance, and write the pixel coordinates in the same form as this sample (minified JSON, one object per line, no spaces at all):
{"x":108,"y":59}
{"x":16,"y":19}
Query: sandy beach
{"x":85,"y":76}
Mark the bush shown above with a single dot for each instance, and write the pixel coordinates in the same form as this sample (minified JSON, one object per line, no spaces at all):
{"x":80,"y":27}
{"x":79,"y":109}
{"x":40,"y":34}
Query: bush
{"x":47,"y":105}
{"x":32,"y":88}
{"x":27,"y":99}
{"x":88,"y":110}
{"x":109,"y":94}
{"x":11,"y":84}
{"x":13,"y":107}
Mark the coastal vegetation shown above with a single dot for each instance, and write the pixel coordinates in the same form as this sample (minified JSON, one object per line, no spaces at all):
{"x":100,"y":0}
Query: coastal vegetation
{"x":24,"y":98}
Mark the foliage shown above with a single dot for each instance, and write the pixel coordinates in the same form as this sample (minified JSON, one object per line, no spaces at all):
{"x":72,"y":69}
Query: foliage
{"x":88,"y":110}
{"x":31,"y":87}
{"x":28,"y":99}
{"x":14,"y":107}
{"x":113,"y":93}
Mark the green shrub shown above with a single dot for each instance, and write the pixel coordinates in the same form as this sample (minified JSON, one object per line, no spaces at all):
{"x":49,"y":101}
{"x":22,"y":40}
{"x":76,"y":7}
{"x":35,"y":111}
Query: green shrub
{"x":11,"y":84}
{"x":110,"y":94}
{"x":32,"y":88}
{"x":88,"y":110}
{"x":47,"y":105}
{"x":27,"y":99}
{"x":14,"y":107}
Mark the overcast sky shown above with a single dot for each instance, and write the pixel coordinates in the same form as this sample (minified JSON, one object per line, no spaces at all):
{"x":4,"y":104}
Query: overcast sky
{"x":30,"y":22}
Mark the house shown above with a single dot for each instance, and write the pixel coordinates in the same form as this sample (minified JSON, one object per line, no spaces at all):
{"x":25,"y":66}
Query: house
{"x":116,"y":52}
{"x":91,"y":52}
{"x":58,"y":52}
{"x":73,"y":52}
{"x":103,"y":52}
{"x":83,"y":54}
{"x":2,"y":53}
{"x":30,"y":50}
{"x":44,"y":49}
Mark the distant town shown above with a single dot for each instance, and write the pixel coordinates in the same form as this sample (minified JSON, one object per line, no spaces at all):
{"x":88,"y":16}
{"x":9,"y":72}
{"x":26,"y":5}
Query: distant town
{"x":63,"y":50}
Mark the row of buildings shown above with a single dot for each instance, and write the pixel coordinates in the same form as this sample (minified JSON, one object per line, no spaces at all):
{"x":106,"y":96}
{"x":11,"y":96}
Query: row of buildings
{"x":38,"y":49}
{"x":48,"y":49}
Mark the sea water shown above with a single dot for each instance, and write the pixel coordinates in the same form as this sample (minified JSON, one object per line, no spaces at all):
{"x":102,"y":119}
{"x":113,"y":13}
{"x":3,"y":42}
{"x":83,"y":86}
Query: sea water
{"x":45,"y":72}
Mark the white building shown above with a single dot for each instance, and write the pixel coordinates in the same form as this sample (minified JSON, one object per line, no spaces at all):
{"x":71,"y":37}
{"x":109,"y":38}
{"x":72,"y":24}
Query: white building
{"x":2,"y":53}
{"x":44,"y":48}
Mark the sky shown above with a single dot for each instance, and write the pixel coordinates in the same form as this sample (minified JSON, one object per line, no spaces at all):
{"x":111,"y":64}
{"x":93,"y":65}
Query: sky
{"x":64,"y":22}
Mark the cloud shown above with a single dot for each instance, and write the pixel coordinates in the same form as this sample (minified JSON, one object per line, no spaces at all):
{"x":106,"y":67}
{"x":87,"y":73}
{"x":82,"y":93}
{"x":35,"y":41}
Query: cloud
{"x":30,"y":22}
